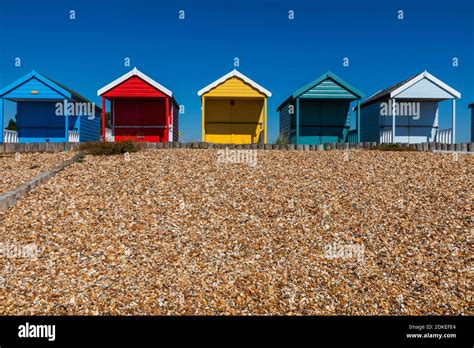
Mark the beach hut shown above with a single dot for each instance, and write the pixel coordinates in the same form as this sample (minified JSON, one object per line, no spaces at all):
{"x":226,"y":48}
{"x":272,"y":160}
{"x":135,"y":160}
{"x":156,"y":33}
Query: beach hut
{"x":408,"y":112}
{"x":47,"y":111}
{"x":318,"y":112}
{"x":141,"y":109}
{"x":471,"y":106}
{"x":234,"y":110}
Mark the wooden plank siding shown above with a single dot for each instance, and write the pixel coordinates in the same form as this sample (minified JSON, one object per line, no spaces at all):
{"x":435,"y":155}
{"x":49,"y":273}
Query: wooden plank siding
{"x":134,"y":87}
{"x":175,"y":122}
{"x":234,"y":87}
{"x":286,"y":120}
{"x":370,"y":124}
{"x":34,"y":89}
{"x":424,"y":89}
{"x":89,"y":129}
{"x":328,"y":89}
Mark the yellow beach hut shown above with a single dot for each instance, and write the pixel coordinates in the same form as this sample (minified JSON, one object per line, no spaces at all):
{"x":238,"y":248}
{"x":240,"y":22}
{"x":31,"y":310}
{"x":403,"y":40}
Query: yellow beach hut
{"x":234,"y":110}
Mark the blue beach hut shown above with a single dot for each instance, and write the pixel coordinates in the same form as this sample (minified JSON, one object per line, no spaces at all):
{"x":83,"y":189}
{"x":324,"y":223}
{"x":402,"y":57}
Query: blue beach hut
{"x":408,"y":112}
{"x":48,"y":111}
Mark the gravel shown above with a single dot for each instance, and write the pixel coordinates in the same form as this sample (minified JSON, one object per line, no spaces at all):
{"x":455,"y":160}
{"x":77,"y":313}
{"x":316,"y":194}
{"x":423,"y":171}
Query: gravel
{"x":16,"y":169}
{"x":305,"y":233}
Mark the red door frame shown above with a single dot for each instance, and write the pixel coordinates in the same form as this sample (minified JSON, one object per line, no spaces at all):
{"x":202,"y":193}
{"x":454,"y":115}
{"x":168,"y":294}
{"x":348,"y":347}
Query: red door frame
{"x":168,"y":116}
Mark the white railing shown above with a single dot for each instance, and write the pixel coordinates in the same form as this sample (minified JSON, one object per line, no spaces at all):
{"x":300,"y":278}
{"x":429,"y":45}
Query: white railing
{"x":108,"y":135}
{"x":73,"y":137}
{"x":10,"y":136}
{"x":386,"y":136}
{"x":444,"y":136}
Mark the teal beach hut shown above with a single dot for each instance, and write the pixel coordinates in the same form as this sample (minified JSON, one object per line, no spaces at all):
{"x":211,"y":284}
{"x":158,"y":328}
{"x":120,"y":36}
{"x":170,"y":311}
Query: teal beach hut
{"x":318,"y":112}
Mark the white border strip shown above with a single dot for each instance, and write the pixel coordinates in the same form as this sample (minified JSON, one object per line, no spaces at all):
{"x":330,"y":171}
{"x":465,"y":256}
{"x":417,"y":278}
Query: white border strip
{"x":232,"y":74}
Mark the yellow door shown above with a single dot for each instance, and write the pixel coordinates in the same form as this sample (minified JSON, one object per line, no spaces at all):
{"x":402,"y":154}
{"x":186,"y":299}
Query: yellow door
{"x":233,"y":121}
{"x":247,"y":121}
{"x":218,"y":121}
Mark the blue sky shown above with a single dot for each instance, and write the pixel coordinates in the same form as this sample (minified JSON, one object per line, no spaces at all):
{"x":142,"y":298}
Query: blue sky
{"x":279,"y":54}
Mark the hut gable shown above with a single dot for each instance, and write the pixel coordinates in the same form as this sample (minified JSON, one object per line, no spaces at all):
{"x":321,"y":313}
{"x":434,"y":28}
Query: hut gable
{"x":234,"y":84}
{"x":136,"y":84}
{"x":34,"y":86}
{"x":328,"y":86}
{"x":420,"y":86}
{"x":424,"y":89}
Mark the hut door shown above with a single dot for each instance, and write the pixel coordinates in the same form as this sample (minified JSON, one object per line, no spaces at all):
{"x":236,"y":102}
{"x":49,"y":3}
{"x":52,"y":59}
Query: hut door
{"x":218,"y":126}
{"x":233,"y":121}
{"x":153,"y":119}
{"x":333,"y":120}
{"x":310,"y":121}
{"x":139,"y":120}
{"x":126,"y":119}
{"x":247,"y":122}
{"x":38,"y":121}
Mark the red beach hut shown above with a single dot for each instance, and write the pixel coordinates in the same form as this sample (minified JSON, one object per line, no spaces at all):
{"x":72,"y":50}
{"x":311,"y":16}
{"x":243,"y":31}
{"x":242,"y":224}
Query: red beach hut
{"x":140,"y":108}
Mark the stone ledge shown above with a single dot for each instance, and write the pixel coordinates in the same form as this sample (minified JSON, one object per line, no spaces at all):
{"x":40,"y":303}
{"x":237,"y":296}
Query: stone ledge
{"x":9,"y":199}
{"x":57,"y":147}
